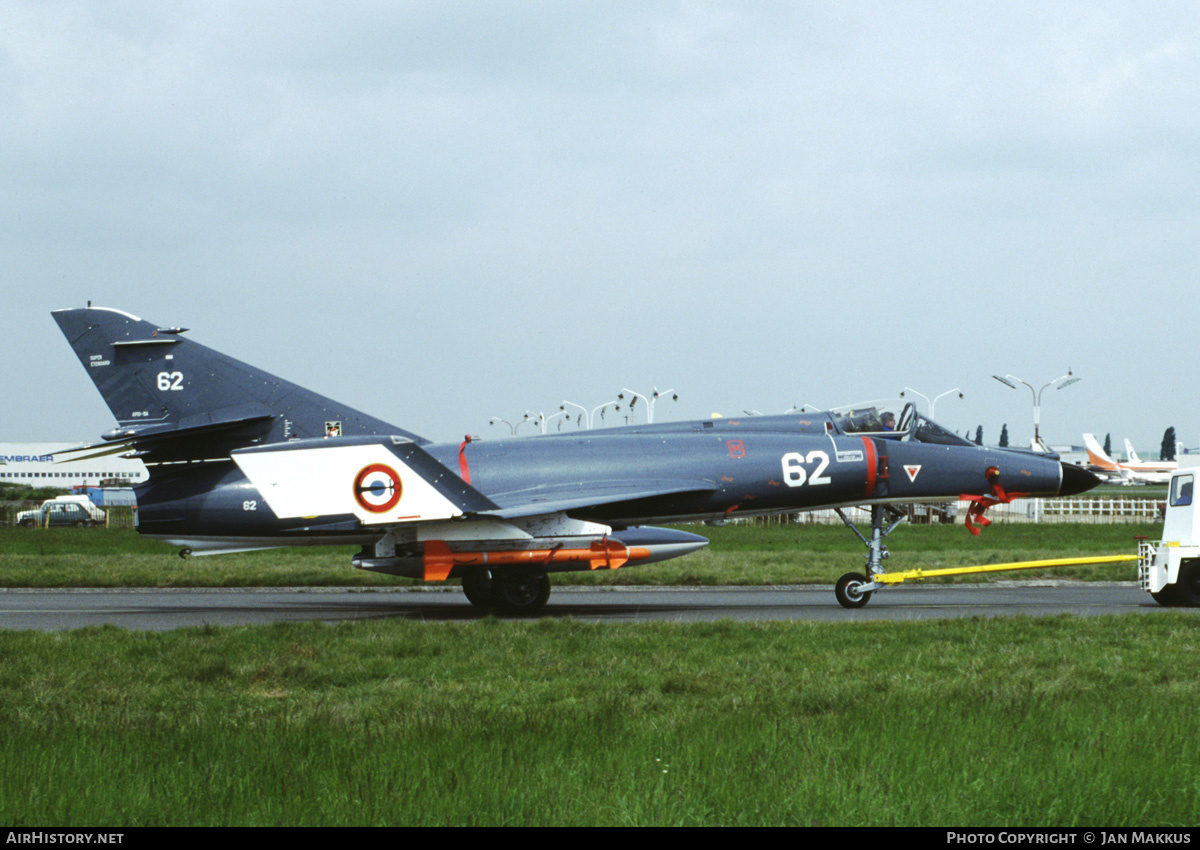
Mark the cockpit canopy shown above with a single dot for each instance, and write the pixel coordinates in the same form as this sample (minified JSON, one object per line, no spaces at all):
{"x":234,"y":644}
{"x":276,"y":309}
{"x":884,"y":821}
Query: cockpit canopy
{"x":897,"y":420}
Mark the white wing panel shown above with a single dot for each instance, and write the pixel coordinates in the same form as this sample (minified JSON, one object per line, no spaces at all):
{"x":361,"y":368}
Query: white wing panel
{"x":367,"y":481}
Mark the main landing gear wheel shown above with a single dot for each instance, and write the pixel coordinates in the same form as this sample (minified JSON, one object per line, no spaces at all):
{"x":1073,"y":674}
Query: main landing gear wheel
{"x":848,"y":593}
{"x":477,"y":585}
{"x":520,"y":593}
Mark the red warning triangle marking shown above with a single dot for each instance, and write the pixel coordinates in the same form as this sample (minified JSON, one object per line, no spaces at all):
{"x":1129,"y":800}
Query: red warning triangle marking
{"x":912,"y":470}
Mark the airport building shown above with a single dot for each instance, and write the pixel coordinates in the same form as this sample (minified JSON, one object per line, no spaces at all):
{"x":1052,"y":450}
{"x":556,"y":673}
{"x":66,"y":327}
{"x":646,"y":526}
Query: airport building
{"x":33,"y":464}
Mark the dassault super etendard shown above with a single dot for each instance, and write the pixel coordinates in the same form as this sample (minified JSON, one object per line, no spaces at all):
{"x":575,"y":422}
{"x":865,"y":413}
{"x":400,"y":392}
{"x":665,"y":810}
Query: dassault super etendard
{"x":240,"y":459}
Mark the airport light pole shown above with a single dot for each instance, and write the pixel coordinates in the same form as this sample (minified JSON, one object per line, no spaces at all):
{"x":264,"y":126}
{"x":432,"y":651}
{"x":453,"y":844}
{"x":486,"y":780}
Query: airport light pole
{"x":511,"y":429}
{"x":1066,"y":381}
{"x":657,"y":395}
{"x":589,"y":418}
{"x":932,"y":404}
{"x":535,"y":419}
{"x":649,"y":402}
{"x":633,"y":401}
{"x":547,"y":420}
{"x":600,"y":409}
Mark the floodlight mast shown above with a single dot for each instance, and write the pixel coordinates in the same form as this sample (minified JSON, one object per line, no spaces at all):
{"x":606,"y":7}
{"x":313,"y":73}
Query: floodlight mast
{"x":540,"y":419}
{"x":584,"y":415}
{"x":649,"y":402}
{"x":589,"y":418}
{"x":932,"y":404}
{"x":1066,"y":380}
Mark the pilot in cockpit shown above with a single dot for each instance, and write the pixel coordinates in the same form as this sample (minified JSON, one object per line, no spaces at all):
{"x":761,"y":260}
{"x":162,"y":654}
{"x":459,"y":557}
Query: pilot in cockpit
{"x":888,"y":422}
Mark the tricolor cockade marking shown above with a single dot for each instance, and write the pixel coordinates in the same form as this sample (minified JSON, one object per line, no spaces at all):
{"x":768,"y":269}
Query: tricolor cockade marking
{"x":377,"y":488}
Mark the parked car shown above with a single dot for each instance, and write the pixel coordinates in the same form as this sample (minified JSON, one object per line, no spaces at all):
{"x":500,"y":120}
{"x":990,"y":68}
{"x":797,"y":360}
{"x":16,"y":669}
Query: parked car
{"x":63,"y":510}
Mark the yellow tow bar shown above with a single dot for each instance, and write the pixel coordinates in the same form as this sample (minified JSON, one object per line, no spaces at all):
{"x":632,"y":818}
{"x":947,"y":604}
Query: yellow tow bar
{"x":917,"y":575}
{"x":854,"y":590}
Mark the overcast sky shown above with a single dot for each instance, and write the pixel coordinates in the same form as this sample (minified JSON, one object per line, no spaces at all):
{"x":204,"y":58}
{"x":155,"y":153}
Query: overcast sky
{"x":442,"y":212}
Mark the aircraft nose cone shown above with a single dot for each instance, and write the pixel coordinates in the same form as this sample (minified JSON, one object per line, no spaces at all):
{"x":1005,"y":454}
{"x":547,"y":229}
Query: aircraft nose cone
{"x":1076,"y":479}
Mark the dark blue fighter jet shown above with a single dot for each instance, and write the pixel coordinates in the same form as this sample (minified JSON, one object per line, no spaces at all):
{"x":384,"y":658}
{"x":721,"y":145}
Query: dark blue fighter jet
{"x":240,"y":459}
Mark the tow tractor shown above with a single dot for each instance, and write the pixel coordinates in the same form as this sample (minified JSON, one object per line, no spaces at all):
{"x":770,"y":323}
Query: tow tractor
{"x":1170,"y":568}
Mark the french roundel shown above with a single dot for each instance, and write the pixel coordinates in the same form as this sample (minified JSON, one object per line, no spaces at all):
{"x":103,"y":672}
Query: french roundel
{"x":377,"y":488}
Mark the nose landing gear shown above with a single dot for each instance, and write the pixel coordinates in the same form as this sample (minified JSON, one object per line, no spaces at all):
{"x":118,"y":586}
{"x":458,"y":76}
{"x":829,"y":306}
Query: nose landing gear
{"x":853,"y":590}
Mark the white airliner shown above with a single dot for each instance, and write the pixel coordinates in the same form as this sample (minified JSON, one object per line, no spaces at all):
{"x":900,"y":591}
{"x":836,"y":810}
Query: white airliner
{"x":1134,"y":470}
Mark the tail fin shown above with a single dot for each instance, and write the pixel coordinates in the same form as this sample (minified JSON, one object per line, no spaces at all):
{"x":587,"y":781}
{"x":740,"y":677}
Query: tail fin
{"x":1096,"y":454}
{"x":1130,"y":454}
{"x":182,"y":400}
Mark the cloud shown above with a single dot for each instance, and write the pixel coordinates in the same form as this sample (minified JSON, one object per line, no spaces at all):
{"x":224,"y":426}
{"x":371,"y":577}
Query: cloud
{"x":532,"y":200}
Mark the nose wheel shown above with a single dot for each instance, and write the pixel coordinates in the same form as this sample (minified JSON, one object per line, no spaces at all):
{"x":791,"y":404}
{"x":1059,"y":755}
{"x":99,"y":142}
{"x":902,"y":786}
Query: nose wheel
{"x":849,"y":592}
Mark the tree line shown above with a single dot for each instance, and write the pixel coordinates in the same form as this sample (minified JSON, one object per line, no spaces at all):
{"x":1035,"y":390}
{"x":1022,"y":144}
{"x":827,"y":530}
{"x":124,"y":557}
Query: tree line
{"x":1166,"y":450}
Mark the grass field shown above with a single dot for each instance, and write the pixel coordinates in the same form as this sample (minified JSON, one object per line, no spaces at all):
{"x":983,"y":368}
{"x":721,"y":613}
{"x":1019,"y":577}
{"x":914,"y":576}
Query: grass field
{"x":738,"y":554}
{"x":1014,"y":722}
